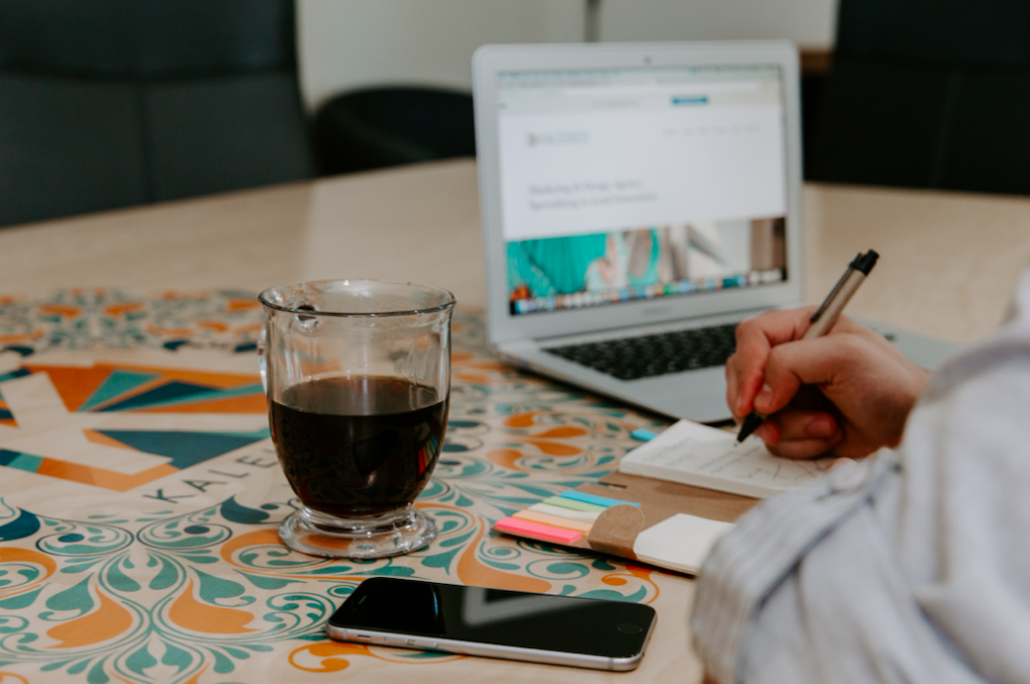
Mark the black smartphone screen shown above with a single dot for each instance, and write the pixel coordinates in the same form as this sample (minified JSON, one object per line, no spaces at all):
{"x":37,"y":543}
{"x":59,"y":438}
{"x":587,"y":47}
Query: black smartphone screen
{"x":591,"y":627}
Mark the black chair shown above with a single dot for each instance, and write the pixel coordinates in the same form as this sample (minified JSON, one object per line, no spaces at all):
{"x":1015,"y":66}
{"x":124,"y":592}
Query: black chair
{"x":379,"y":127}
{"x":111,"y":103}
{"x":928,"y":94}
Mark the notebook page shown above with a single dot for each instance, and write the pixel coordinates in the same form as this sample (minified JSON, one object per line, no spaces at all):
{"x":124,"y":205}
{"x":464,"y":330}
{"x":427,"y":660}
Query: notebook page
{"x":695,"y":454}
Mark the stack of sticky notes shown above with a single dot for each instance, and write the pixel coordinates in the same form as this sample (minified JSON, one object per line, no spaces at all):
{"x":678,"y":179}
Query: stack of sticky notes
{"x":563,"y":519}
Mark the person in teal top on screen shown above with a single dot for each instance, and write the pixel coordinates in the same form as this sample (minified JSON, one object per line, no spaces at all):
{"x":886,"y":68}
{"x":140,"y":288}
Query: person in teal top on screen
{"x":553,"y":265}
{"x":642,"y":265}
{"x":560,"y":265}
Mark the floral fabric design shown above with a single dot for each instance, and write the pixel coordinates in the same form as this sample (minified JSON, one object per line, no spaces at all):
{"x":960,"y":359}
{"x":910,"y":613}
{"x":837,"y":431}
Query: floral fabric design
{"x":102,"y":584}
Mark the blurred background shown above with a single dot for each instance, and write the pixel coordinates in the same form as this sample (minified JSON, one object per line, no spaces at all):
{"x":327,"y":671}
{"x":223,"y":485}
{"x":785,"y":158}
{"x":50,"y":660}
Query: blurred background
{"x":114,"y":103}
{"x":351,"y":43}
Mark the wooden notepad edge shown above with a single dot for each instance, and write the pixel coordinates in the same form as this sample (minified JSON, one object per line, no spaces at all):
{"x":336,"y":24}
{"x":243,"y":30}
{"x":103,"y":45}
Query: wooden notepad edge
{"x":616,"y":529}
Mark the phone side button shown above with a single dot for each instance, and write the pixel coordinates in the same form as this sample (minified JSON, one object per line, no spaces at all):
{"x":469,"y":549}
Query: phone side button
{"x":362,"y":637}
{"x":424,"y":644}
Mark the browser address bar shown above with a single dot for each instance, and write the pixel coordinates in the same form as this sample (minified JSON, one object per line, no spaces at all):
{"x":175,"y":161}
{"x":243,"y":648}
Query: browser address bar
{"x":653,"y":89}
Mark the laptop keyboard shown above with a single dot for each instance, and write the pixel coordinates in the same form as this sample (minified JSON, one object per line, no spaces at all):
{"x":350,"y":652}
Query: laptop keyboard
{"x":632,"y":358}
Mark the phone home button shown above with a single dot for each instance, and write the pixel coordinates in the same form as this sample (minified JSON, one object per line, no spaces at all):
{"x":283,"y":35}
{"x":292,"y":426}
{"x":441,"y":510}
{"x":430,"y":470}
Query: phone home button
{"x":629,"y":628}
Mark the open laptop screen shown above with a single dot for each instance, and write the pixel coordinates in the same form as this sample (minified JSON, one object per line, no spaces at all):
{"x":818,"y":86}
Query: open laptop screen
{"x":628,"y":184}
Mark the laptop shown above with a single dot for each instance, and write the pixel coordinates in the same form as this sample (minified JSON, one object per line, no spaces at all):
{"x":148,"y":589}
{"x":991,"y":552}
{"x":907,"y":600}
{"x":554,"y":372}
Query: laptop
{"x":639,"y":201}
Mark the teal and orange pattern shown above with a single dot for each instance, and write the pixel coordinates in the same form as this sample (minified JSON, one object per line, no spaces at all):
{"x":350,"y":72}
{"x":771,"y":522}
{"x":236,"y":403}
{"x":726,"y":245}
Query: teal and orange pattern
{"x":83,"y":319}
{"x":131,"y":587}
{"x":101,"y":388}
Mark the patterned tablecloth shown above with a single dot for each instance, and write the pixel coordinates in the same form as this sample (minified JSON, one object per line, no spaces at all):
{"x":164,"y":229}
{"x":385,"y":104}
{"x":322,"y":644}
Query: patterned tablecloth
{"x":140,"y":494}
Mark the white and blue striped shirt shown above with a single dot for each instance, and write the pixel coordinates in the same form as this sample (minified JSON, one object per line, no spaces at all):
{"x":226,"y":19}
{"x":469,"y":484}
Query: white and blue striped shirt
{"x":910,"y":566}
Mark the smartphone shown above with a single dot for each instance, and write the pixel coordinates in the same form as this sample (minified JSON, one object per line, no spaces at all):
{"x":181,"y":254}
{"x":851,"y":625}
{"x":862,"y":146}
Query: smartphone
{"x":557,"y":630}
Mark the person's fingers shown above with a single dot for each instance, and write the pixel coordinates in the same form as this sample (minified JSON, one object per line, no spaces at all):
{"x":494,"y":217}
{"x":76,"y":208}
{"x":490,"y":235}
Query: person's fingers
{"x":769,"y":432}
{"x":775,"y":436}
{"x":806,"y":448}
{"x":732,"y":388}
{"x":756,"y":337}
{"x":762,"y":400}
{"x":791,"y":425}
{"x":799,"y":425}
{"x":805,"y":362}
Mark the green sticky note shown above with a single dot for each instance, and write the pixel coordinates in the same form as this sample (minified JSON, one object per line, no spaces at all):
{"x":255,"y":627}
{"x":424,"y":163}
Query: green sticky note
{"x":574,"y":505}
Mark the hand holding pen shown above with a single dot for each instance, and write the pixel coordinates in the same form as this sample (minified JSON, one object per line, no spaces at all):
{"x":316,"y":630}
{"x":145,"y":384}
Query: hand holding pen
{"x":847,"y":392}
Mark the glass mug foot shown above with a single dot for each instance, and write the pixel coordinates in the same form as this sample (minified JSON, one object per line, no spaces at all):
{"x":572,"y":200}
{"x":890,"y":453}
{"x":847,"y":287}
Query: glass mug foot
{"x":391,"y":534}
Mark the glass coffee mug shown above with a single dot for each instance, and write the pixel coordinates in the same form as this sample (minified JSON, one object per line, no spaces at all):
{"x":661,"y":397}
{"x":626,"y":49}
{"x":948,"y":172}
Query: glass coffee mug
{"x":357,"y":374}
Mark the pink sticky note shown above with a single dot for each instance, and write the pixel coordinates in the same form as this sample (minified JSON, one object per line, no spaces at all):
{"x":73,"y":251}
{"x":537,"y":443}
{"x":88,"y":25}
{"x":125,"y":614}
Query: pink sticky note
{"x":537,"y":530}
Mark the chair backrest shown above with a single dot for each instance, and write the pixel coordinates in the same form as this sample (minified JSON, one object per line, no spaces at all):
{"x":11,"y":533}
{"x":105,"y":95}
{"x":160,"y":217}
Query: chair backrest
{"x":374,"y":128}
{"x":928,"y":93}
{"x":942,"y":32}
{"x":111,"y":103}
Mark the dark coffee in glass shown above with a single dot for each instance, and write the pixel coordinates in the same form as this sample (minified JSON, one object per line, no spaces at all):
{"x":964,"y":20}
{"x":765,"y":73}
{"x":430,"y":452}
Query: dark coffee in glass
{"x":358,"y":378}
{"x":358,"y":446}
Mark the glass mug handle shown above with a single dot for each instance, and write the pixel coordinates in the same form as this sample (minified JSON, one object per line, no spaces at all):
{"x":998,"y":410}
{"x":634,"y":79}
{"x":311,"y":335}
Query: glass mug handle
{"x":262,"y":350}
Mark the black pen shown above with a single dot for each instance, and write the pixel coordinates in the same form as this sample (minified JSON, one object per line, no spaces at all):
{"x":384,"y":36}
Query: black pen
{"x":823,"y":319}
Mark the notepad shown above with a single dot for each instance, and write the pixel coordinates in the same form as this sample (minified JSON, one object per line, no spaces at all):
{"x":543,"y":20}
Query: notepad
{"x":672,"y":540}
{"x":681,"y":542}
{"x":695,"y":454}
{"x":563,"y":518}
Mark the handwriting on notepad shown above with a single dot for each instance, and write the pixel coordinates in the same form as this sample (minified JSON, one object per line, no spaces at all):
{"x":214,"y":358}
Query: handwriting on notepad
{"x":702,"y":456}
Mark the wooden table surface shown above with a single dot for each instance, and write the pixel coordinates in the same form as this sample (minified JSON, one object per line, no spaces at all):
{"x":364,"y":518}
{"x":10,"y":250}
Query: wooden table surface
{"x":948,"y":264}
{"x":949,"y":260}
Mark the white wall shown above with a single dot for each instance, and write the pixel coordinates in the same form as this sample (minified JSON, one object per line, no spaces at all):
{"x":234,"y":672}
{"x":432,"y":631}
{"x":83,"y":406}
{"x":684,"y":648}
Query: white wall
{"x":350,"y":43}
{"x":810,"y":23}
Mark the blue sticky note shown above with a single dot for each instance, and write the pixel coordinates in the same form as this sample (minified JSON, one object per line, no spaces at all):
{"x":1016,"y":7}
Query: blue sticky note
{"x":591,"y":499}
{"x":642,"y":435}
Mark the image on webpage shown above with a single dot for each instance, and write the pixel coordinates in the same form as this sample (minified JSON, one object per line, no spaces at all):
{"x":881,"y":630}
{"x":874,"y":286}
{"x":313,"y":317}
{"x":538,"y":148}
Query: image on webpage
{"x":576,"y":271}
